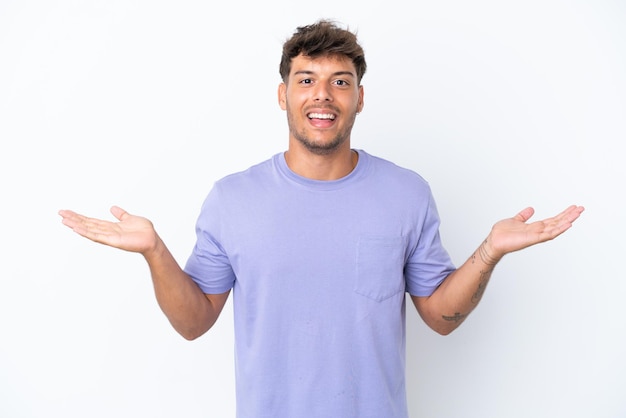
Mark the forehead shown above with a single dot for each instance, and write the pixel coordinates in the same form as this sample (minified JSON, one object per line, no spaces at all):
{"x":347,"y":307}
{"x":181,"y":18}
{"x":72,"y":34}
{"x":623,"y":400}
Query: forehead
{"x":326,"y":64}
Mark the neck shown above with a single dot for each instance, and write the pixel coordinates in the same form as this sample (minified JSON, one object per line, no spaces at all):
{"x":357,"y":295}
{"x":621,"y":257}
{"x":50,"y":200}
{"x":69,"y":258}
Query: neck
{"x":331,"y":166}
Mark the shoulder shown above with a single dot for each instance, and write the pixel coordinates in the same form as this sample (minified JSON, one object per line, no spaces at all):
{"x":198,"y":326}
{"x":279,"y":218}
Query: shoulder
{"x":391,"y":173}
{"x":253,"y":175}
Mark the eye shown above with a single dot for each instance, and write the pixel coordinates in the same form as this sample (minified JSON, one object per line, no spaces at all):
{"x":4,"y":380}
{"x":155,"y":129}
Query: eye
{"x":342,"y":83}
{"x":306,"y":81}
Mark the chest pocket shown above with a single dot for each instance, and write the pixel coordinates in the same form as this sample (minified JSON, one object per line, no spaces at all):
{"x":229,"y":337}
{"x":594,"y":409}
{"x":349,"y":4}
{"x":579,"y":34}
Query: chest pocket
{"x":380,"y":267}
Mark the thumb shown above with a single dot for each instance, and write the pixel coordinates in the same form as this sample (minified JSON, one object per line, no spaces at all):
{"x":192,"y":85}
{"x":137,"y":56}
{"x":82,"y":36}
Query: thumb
{"x":119,"y":213}
{"x":525,"y":214}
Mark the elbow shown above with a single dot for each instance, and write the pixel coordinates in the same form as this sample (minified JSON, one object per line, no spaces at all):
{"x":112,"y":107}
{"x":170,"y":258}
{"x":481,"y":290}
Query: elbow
{"x":190,"y":333}
{"x":442,"y":326}
{"x":446,"y":325}
{"x":189,"y":336}
{"x":433,"y":318}
{"x":443,"y":330}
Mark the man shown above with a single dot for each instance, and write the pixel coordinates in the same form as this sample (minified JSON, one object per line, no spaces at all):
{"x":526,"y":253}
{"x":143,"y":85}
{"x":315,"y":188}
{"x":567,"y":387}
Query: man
{"x":319,"y":245}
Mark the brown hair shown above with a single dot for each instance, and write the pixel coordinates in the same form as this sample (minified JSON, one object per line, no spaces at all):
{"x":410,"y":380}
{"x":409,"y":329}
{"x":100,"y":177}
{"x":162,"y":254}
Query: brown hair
{"x":321,"y":39}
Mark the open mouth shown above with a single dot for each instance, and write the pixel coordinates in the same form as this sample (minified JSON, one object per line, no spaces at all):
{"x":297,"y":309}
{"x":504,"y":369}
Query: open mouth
{"x":325,"y":116}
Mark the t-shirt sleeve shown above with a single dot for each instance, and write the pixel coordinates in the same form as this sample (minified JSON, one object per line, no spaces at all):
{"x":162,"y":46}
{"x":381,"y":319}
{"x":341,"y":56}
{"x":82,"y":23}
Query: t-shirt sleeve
{"x":430,"y":263}
{"x":209,"y":265}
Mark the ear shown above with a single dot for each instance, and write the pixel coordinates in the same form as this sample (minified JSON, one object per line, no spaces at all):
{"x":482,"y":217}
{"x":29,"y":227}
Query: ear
{"x":360,"y":103}
{"x":282,"y":96}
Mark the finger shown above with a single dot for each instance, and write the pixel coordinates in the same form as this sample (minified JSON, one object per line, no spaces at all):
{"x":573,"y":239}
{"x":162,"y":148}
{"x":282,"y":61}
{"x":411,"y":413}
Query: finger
{"x":566,"y":217}
{"x":88,"y":227}
{"x":97,"y":230}
{"x":70,"y":218}
{"x":64,"y":213}
{"x":119,"y":213}
{"x":560,"y":223}
{"x":573,"y":212}
{"x":525,"y":214}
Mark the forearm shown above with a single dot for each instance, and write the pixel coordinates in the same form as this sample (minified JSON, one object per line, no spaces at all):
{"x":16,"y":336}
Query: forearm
{"x":459,"y":293}
{"x":187,"y":308}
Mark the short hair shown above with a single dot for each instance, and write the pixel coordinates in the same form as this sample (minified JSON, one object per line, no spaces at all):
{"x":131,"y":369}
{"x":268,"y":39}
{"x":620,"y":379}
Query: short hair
{"x":322,"y":38}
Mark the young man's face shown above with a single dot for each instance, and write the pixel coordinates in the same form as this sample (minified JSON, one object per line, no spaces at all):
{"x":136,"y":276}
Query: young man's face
{"x":322,"y":98}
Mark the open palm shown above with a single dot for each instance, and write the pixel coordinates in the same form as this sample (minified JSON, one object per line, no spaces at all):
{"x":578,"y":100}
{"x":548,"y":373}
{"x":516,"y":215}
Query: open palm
{"x":514,"y":233}
{"x":131,"y":233}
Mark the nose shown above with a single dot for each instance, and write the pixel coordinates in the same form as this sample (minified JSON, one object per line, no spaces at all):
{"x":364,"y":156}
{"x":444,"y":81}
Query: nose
{"x":322,"y":93}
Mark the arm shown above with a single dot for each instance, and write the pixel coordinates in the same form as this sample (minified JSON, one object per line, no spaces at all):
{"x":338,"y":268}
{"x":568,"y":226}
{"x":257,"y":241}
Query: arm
{"x":189,"y":310}
{"x":460,"y":292}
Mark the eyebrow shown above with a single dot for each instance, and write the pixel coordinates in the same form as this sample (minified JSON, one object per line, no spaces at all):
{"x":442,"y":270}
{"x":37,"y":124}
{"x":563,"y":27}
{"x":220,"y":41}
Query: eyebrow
{"x":308,"y":72}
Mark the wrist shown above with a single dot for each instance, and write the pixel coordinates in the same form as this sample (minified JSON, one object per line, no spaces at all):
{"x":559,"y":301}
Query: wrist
{"x":488,"y":254}
{"x":156,"y":250}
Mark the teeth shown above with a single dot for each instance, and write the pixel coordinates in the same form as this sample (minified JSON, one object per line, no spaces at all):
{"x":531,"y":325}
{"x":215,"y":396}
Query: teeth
{"x":321,"y":116}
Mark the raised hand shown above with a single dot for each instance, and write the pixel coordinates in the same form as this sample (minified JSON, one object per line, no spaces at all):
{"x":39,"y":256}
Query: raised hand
{"x":131,"y":233}
{"x":513,"y":234}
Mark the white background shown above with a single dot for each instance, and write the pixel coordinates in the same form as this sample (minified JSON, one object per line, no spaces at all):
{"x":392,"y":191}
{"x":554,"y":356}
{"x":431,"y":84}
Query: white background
{"x":144,"y":104}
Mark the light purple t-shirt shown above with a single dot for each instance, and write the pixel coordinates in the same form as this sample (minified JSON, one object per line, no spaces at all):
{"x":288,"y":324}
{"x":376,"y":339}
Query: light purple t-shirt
{"x":319,"y":271}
